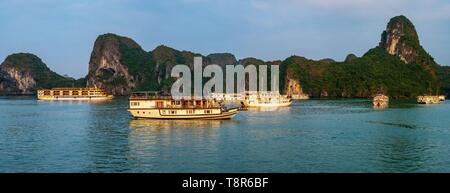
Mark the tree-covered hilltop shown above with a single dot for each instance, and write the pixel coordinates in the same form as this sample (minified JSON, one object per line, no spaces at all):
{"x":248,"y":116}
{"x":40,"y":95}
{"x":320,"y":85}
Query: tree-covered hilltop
{"x":120,"y":66}
{"x":24,"y":73}
{"x":375,"y":72}
{"x":31,"y":64}
{"x":444,"y":76}
{"x":398,"y":67}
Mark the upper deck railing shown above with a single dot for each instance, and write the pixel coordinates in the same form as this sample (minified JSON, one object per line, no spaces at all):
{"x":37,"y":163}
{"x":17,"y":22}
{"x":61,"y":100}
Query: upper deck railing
{"x":150,"y":95}
{"x":75,"y":88}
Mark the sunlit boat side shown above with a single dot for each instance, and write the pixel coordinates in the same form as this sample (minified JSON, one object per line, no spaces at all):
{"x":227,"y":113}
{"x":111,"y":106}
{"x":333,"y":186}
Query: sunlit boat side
{"x":266,"y":99}
{"x":73,"y":94}
{"x":380,"y":101}
{"x":154,"y":105}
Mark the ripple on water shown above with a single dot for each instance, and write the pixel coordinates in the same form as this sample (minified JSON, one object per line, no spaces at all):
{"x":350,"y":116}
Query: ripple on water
{"x":309,"y":136}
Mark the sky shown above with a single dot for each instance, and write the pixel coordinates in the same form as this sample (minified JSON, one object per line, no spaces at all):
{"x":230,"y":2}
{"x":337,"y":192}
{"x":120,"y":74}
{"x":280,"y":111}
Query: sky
{"x":62,"y":32}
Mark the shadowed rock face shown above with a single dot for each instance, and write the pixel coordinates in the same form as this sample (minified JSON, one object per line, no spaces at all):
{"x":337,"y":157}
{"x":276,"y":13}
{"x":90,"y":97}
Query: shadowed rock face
{"x":119,"y":66}
{"x":8,"y":85}
{"x":350,"y":58}
{"x":222,"y":59}
{"x":106,"y":69}
{"x":17,"y":71}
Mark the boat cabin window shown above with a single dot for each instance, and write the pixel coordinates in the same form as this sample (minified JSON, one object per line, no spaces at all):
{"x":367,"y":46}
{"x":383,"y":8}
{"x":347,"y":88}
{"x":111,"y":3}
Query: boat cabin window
{"x":66,"y":92}
{"x":46,"y":92}
{"x":84,"y":93}
{"x":55,"y":92}
{"x":74,"y":92}
{"x":159,"y":104}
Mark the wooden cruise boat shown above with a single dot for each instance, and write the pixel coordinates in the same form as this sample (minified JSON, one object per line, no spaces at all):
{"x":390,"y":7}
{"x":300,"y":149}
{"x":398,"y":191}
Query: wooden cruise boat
{"x":429,"y":99}
{"x":73,"y":94}
{"x":300,"y":96}
{"x":266,"y":99}
{"x":153,"y":105}
{"x":380,"y":101}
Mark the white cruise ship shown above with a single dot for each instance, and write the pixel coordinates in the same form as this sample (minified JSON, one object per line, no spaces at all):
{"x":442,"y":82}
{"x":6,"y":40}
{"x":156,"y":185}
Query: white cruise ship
{"x":265,"y":99}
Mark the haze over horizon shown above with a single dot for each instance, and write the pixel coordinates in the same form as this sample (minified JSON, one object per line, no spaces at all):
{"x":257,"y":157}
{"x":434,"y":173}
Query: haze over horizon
{"x":62,"y":33}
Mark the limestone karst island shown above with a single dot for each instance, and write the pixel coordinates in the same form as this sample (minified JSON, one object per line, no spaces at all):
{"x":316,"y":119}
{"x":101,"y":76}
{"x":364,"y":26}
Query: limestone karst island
{"x":398,"y":67}
{"x":224,"y":86}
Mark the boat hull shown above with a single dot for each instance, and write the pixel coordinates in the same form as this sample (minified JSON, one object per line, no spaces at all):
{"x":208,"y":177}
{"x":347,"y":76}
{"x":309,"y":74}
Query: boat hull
{"x":71,"y":98}
{"x":157,"y":114}
{"x":246,"y":104}
{"x":380,"y":103}
{"x":429,"y":99}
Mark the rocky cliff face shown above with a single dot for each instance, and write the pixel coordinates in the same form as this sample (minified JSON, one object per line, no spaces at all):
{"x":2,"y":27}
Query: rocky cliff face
{"x":222,"y":59}
{"x":8,"y":85}
{"x":119,"y":65}
{"x":400,"y":39}
{"x":165,"y":58}
{"x":293,"y":87}
{"x":399,"y":66}
{"x":22,"y":81}
{"x":106,"y":66}
{"x":23,"y":73}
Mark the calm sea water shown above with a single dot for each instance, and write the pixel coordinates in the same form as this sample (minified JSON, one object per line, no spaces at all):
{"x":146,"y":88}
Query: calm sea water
{"x":310,"y":136}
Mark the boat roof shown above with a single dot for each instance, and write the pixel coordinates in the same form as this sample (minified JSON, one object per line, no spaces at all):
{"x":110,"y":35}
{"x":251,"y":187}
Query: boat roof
{"x":146,"y":95}
{"x":73,"y":88}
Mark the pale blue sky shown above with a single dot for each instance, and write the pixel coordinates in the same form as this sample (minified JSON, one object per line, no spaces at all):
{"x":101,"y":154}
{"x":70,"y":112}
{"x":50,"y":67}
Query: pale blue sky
{"x":62,"y":32}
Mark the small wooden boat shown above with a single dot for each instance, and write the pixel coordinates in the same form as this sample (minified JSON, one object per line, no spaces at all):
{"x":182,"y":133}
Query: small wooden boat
{"x":380,"y":101}
{"x":429,"y":99}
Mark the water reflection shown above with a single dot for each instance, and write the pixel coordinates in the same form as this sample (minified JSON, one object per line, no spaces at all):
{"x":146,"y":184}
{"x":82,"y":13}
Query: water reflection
{"x":164,"y":145}
{"x":309,"y":136}
{"x":380,"y":108}
{"x":268,"y":109}
{"x":401,"y":104}
{"x":160,"y":124}
{"x":402,"y":154}
{"x":106,"y":136}
{"x":401,"y":140}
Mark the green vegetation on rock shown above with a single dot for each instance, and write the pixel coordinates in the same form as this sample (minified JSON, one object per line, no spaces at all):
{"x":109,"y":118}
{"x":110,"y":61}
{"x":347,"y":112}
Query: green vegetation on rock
{"x":30,"y":65}
{"x":375,"y":72}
